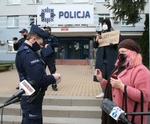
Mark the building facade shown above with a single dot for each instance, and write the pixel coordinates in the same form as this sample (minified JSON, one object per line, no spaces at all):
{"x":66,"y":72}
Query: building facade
{"x":76,"y":36}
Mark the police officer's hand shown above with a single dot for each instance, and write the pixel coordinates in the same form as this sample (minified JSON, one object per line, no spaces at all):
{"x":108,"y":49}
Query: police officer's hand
{"x":57,"y":77}
{"x":46,"y":45}
{"x":59,"y":80}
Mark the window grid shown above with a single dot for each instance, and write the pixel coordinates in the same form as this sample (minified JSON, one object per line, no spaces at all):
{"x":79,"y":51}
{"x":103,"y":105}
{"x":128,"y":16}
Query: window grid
{"x":10,"y":47}
{"x":13,"y":2}
{"x":13,"y":21}
{"x":80,"y":1}
{"x":103,"y":16}
{"x":58,"y":1}
{"x":101,"y":0}
{"x":32,"y":20}
{"x":34,"y":1}
{"x":123,"y":22}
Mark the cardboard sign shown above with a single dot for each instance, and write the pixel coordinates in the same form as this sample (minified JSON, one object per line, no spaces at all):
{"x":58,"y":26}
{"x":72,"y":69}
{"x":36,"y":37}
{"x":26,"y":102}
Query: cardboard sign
{"x":110,"y":37}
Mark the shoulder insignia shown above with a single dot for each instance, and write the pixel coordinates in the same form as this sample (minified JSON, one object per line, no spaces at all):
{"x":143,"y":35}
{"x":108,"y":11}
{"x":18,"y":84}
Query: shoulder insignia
{"x":26,"y":48}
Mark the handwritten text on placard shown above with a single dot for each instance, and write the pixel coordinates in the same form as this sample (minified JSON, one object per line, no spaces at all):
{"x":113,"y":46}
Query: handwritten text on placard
{"x":109,"y":37}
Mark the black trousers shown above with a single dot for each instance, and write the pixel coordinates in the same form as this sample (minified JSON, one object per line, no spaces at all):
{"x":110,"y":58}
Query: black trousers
{"x":31,"y":112}
{"x":50,"y":62}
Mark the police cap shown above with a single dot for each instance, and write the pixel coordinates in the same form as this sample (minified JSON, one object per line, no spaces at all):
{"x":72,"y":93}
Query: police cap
{"x":23,"y":30}
{"x":39,"y":31}
{"x":49,"y":28}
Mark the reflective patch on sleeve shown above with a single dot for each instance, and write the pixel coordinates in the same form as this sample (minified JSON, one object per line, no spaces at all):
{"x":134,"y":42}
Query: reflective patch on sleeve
{"x":35,"y":61}
{"x":49,"y":40}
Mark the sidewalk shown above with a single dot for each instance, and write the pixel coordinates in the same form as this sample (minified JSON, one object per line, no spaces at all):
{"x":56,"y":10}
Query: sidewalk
{"x":77,"y":80}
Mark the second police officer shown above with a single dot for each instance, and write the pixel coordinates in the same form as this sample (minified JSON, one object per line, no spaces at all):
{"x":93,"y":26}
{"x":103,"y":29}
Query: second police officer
{"x":48,"y":53}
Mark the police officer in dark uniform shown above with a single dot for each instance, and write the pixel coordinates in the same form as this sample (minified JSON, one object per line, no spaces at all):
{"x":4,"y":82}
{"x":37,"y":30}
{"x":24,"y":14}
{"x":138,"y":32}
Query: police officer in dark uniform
{"x":17,"y":44}
{"x":50,"y":43}
{"x":24,"y":33}
{"x":31,"y":68}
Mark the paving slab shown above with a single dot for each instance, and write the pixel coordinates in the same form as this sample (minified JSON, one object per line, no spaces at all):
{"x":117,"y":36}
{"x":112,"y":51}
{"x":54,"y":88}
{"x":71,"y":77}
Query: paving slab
{"x":77,"y":80}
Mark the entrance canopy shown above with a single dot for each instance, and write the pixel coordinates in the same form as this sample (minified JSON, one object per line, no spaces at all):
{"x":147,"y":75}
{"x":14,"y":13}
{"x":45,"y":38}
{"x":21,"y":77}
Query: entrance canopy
{"x":74,"y":31}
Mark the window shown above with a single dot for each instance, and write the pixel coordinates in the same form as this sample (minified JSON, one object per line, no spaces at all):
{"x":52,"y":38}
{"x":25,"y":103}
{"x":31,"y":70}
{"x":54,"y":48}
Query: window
{"x":13,"y":2}
{"x":32,"y":20}
{"x":123,"y":22}
{"x":34,"y":1}
{"x":101,"y":0}
{"x":58,"y":1}
{"x":10,"y":47}
{"x":80,"y":1}
{"x":12,"y":21}
{"x":102,"y":16}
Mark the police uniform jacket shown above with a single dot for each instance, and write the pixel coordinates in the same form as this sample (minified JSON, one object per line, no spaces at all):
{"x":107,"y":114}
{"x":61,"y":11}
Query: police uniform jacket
{"x":19,"y":43}
{"x":33,"y":68}
{"x":53,"y":42}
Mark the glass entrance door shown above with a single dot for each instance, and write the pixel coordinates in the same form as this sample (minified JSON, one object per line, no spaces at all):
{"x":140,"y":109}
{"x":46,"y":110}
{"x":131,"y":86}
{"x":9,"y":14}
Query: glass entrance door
{"x":70,"y":49}
{"x":74,"y":48}
{"x":85,"y":50}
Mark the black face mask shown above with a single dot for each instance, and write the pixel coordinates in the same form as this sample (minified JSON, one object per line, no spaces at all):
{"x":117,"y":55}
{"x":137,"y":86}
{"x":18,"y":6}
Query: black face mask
{"x":47,"y":32}
{"x":35,"y":47}
{"x":25,"y":36}
{"x":122,"y":57}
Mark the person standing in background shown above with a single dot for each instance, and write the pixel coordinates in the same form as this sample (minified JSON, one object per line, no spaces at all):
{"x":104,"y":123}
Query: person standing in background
{"x":18,"y":43}
{"x":48,"y":53}
{"x":15,"y":40}
{"x":24,"y":34}
{"x":106,"y":56}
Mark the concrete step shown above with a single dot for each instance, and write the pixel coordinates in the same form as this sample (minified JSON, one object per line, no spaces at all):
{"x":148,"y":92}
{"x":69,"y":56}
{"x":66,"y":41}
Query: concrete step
{"x":53,"y":120}
{"x":59,"y":110}
{"x":63,"y":100}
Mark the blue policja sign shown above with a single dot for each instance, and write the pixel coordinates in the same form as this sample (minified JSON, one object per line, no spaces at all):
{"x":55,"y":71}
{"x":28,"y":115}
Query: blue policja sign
{"x":67,"y":14}
{"x":75,"y":14}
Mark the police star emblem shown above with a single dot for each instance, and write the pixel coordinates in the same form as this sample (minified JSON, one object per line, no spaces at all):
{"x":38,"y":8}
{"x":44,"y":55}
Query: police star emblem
{"x":47,"y":15}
